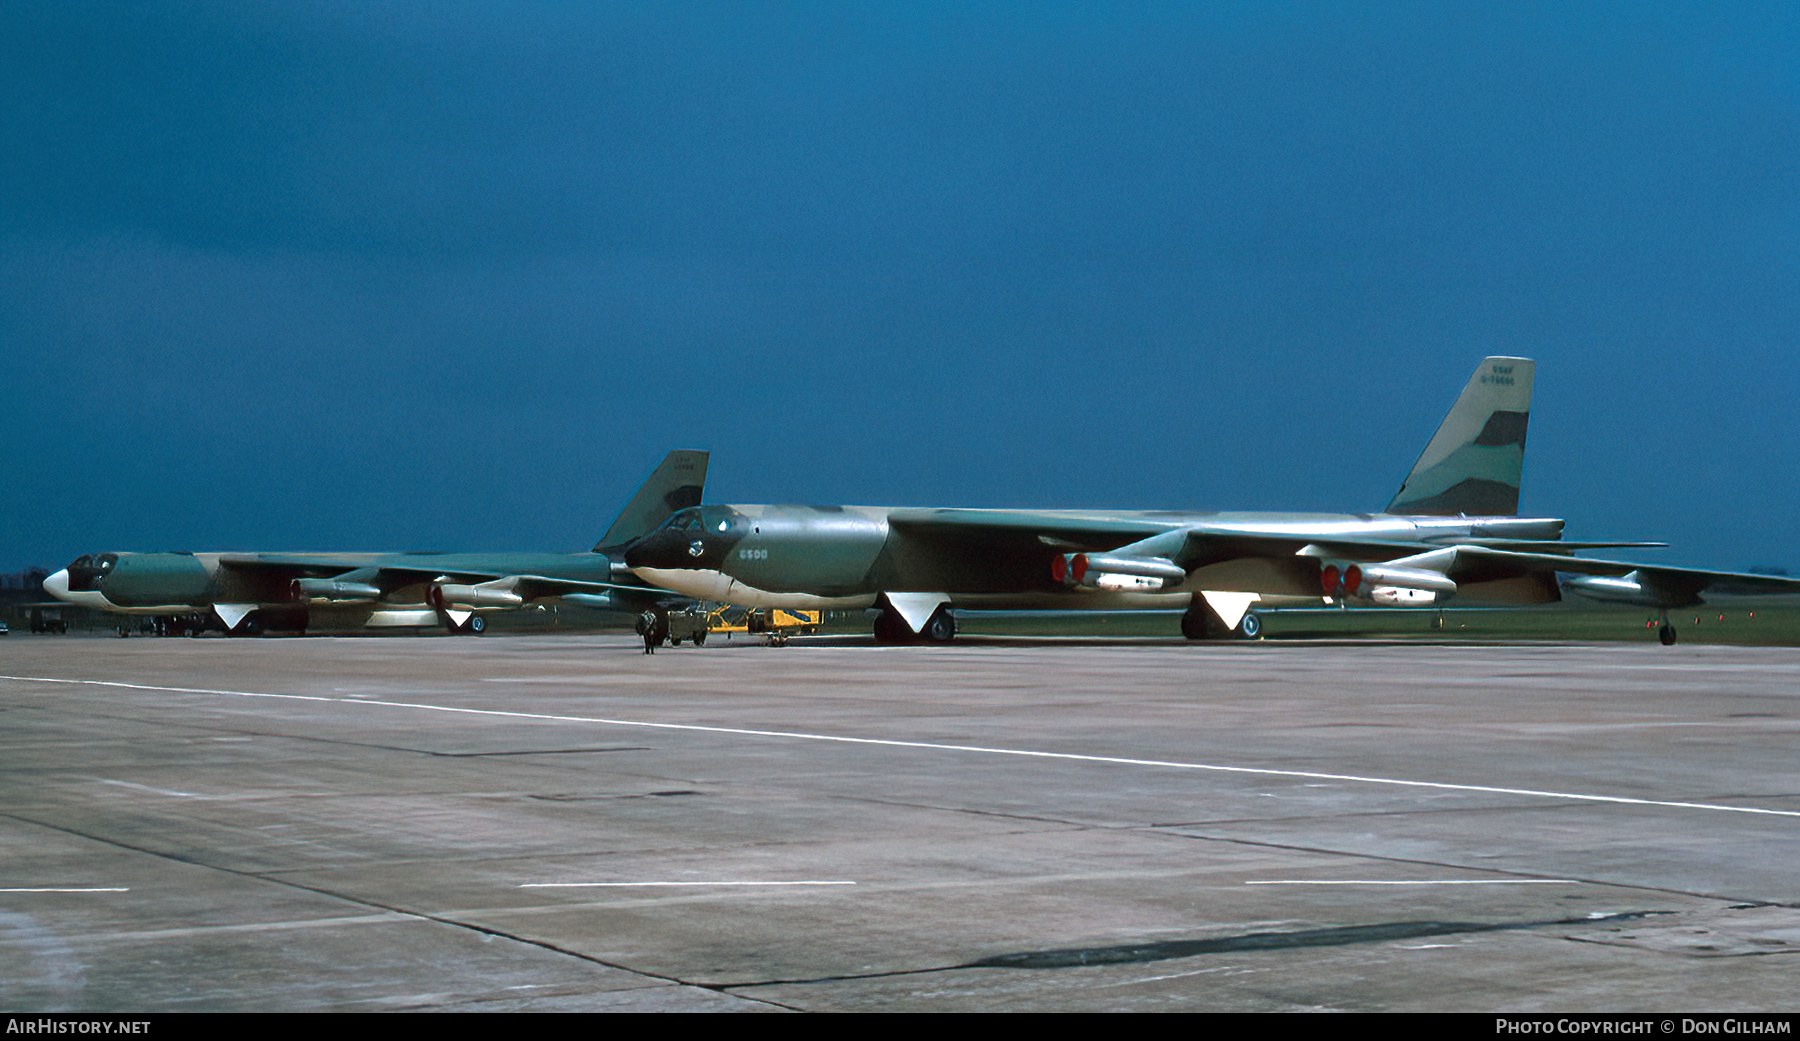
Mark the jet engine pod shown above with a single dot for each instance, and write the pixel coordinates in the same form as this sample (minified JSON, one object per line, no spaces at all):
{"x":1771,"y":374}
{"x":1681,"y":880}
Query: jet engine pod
{"x":1121,"y":573}
{"x":597,"y":600}
{"x":444,"y":595}
{"x":1366,"y":580}
{"x":1625,"y":590}
{"x":1400,"y":596}
{"x":1634,"y":588}
{"x":315,"y":589}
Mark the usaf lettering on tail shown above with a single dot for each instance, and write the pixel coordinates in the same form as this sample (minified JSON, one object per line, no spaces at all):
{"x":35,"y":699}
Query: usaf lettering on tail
{"x":248,"y":592}
{"x":1452,"y":530}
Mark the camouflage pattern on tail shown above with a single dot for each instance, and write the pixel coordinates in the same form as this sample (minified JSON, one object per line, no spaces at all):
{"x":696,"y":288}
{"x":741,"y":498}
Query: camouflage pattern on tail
{"x":675,"y":485}
{"x":1474,"y":462}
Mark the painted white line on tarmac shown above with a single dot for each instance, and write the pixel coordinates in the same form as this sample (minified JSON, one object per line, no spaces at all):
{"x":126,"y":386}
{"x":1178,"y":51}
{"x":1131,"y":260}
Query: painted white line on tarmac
{"x":1413,"y":882}
{"x":1252,"y":771}
{"x":146,"y":788}
{"x":58,"y":889}
{"x":256,"y":928}
{"x":647,"y":885}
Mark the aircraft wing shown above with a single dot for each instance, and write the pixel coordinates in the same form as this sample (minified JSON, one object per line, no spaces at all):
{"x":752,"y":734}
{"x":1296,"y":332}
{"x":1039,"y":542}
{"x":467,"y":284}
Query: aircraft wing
{"x":1207,"y":539}
{"x":467,"y":579}
{"x":1051,"y":528}
{"x":1653,"y":585}
{"x":1190,"y":540}
{"x":397,"y":568}
{"x":1507,"y":575}
{"x":1292,"y":555}
{"x":1010,"y":549}
{"x":534,"y":587}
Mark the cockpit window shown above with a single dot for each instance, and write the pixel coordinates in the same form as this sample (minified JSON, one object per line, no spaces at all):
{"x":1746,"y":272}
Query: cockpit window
{"x":710,"y":520}
{"x":720,"y":520}
{"x":89,"y":568}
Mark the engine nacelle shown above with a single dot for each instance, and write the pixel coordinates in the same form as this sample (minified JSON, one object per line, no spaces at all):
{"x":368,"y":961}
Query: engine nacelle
{"x":1626,"y":590}
{"x":1362,"y":579}
{"x":445,"y":595}
{"x":1400,"y":596}
{"x":1111,"y":583}
{"x":599,"y":600}
{"x":1332,"y":578}
{"x":317,"y":589}
{"x":1117,"y":573}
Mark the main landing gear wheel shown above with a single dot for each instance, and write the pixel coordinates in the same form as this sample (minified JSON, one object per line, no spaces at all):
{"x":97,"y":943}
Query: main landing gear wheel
{"x":891,"y":628}
{"x":940,"y":627}
{"x":1201,"y":622}
{"x":1666,"y":634}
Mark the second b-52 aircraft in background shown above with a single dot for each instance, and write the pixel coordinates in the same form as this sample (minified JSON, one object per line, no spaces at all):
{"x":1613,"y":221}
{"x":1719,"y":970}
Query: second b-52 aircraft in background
{"x":1452,"y":530}
{"x":250,"y":592}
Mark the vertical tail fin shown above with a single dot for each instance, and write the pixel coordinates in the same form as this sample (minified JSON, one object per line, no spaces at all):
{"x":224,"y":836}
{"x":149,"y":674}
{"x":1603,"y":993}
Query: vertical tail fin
{"x":675,"y":485}
{"x":1474,"y":462}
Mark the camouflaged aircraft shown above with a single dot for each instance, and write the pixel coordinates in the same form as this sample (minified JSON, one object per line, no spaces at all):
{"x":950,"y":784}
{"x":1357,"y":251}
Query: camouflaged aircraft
{"x":249,"y":592}
{"x":1452,"y":530}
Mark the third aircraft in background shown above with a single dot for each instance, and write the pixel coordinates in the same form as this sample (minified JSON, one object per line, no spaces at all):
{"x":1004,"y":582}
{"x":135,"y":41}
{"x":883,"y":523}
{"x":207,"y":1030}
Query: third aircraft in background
{"x":251,"y":592}
{"x":1452,"y":530}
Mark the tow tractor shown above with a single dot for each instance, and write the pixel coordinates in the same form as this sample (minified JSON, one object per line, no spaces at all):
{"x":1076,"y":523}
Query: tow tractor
{"x":696,"y":621}
{"x":773,"y":624}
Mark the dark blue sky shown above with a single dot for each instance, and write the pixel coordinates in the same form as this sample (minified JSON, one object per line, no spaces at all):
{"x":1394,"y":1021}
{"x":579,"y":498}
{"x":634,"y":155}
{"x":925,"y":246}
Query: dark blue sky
{"x":437,"y":275}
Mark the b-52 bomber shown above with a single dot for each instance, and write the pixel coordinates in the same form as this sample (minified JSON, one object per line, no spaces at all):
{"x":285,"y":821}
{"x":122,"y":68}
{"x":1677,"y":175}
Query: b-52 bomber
{"x":1452,"y":530}
{"x":250,"y":592}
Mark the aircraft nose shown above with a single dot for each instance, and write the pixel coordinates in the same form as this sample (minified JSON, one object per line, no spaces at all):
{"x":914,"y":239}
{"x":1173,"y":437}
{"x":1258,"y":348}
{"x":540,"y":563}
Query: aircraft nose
{"x":57,"y":585}
{"x":645,"y":552}
{"x":666,"y":549}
